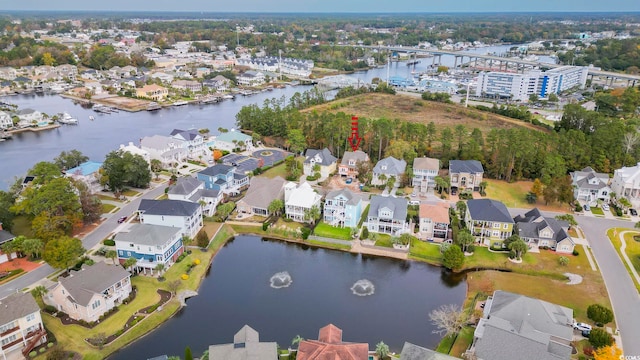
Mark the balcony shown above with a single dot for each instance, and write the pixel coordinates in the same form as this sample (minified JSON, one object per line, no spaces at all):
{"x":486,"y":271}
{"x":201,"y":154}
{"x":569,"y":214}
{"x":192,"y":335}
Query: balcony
{"x":9,"y":345}
{"x":7,"y":332}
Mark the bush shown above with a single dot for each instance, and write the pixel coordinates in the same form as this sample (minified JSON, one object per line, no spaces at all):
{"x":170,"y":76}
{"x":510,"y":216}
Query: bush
{"x":33,"y":354}
{"x":471,"y":248}
{"x":202,"y":238}
{"x":453,"y":258}
{"x":578,"y":207}
{"x":50,"y":345}
{"x":42,"y":350}
{"x":365,"y":233}
{"x":366,"y":189}
{"x":181,"y":257}
{"x":184,"y":276}
{"x":305,"y":233}
{"x":600,"y":314}
{"x":50,"y":309}
{"x":287,"y":220}
{"x":576,"y":252}
{"x":600,"y":338}
{"x":196,"y":262}
{"x":109,"y":242}
{"x":265,"y":226}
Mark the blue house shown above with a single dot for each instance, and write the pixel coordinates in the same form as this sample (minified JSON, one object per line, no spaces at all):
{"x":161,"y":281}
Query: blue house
{"x":223,"y":178}
{"x":150,"y":245}
{"x":342,"y":208}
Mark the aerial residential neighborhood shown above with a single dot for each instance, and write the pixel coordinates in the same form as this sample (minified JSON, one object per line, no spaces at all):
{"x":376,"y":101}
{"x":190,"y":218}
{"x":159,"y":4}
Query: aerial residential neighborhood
{"x":261,"y":181}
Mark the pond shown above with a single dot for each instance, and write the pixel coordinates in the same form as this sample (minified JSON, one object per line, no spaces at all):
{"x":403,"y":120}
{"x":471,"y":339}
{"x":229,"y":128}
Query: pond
{"x":283,"y":290}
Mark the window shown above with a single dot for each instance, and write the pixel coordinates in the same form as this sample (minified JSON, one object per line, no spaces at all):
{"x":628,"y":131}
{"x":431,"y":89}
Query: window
{"x":130,"y":245}
{"x":496,"y":225}
{"x":505,"y":226}
{"x":8,"y":326}
{"x":495,"y":233}
{"x":9,"y":339}
{"x":30,"y":317}
{"x":95,"y":305}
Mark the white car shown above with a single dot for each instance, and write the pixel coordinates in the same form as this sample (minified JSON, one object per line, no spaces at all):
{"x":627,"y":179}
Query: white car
{"x":581,"y":326}
{"x":605,"y":207}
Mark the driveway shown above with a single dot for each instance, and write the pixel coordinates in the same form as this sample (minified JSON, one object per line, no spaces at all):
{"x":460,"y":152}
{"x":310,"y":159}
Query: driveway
{"x":89,"y":241}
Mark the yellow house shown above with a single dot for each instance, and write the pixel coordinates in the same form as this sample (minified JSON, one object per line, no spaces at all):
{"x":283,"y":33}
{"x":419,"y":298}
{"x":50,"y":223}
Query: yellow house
{"x":489,"y":221}
{"x":153,"y":92}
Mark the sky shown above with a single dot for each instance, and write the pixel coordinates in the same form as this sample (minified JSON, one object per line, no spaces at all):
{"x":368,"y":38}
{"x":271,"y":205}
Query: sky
{"x":330,"y":6}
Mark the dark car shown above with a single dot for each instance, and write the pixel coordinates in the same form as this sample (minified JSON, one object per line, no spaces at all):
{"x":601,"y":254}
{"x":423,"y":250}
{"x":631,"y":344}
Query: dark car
{"x":633,"y":212}
{"x":586,"y":333}
{"x":454,"y":191}
{"x":122,"y":219}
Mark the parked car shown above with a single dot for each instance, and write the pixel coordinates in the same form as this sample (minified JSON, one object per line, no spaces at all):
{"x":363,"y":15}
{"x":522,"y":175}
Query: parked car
{"x":586,"y":333}
{"x":586,"y":208}
{"x":122,"y":219}
{"x":581,"y":326}
{"x":633,"y":212}
{"x":605,"y":207}
{"x":349,"y":180}
{"x":454,"y":191}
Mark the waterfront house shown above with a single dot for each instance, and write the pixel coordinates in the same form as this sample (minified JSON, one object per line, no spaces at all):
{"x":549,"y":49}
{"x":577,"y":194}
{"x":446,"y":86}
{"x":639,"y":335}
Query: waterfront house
{"x":537,"y":230}
{"x":342,"y":208}
{"x":262,"y":191}
{"x":415,"y":352}
{"x":349,"y":165}
{"x":246,"y":346}
{"x":153,"y":92}
{"x":330,"y":346}
{"x":8,"y":73}
{"x":300,"y":199}
{"x":191,"y":85}
{"x":164,"y":77}
{"x":387,"y":168}
{"x":465,"y":174}
{"x":251,"y":78}
{"x":6,"y":237}
{"x":223,"y":178}
{"x":167,"y":150}
{"x":134,"y":150}
{"x":192,"y":141}
{"x":232,"y":140}
{"x":21,"y":327}
{"x":434,"y":221}
{"x":218,"y":83}
{"x":489,"y":221}
{"x":87,"y":172}
{"x":387,"y":215}
{"x":29,"y":117}
{"x":626,"y":183}
{"x":191,"y":189}
{"x":93,"y":87}
{"x":425,"y":171}
{"x":514,"y":326}
{"x":150,"y":245}
{"x":589,"y":185}
{"x":185,"y":215}
{"x":323,"y":158}
{"x":5,"y":120}
{"x":88,"y":293}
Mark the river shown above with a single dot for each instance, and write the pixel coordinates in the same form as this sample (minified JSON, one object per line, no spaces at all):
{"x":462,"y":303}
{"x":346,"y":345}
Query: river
{"x":98,"y":137}
{"x":237,"y":291}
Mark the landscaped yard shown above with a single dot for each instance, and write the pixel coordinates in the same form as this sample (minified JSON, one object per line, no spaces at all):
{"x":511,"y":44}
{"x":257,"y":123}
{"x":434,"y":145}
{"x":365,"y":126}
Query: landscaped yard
{"x":279,"y":170}
{"x":425,"y":251}
{"x":597,"y":211}
{"x":107,"y":208}
{"x":130,"y":193}
{"x":632,"y":250}
{"x":384,"y":240}
{"x":514,"y":195}
{"x":325,"y":230}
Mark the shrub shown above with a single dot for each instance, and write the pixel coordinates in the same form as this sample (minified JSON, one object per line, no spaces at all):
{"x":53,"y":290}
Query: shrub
{"x":33,"y":354}
{"x":50,"y":345}
{"x":265,"y":226}
{"x":600,"y":338}
{"x":305,"y":233}
{"x":453,"y":257}
{"x":578,"y":207}
{"x":196,"y":262}
{"x":181,"y":257}
{"x":109,"y":242}
{"x":588,"y":351}
{"x":202,"y":238}
{"x":50,"y":309}
{"x":471,"y":248}
{"x":599,"y":313}
{"x":184,"y":276}
{"x":366,"y":189}
{"x":576,"y":252}
{"x":365,"y":233}
{"x":42,"y":350}
{"x":287,"y":220}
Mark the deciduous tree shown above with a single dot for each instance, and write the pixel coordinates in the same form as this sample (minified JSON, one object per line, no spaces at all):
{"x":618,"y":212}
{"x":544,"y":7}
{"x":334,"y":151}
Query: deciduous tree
{"x":63,"y":252}
{"x":453,"y":258}
{"x":69,"y":160}
{"x":448,"y":319}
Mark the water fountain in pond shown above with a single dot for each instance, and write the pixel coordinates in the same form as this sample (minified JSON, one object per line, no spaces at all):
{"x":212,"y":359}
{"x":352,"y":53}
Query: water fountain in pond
{"x":280,"y":280}
{"x":363,"y":288}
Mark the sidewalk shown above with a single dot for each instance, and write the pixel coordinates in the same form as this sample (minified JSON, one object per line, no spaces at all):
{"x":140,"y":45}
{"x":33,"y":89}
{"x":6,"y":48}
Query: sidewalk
{"x":357,"y":247}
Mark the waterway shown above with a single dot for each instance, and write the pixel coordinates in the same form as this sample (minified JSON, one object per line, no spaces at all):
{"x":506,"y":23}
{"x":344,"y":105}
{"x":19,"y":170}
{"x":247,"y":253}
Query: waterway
{"x":95,"y":138}
{"x":237,"y":291}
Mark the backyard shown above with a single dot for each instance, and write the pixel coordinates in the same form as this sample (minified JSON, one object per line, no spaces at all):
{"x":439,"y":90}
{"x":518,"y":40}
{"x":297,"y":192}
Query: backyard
{"x":325,"y":230}
{"x":514,"y":194}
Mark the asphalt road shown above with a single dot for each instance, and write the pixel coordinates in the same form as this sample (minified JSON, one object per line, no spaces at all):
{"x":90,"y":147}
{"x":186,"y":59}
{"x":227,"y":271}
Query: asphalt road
{"x":89,"y":241}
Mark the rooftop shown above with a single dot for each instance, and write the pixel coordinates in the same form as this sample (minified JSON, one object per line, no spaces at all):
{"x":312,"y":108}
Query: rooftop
{"x":82,"y":285}
{"x":488,"y":210}
{"x":148,"y":235}
{"x":16,"y":306}
{"x":168,"y":207}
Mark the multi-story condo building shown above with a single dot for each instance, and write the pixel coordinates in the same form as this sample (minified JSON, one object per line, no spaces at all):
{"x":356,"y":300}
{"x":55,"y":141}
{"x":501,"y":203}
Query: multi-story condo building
{"x":489,"y":221}
{"x":387,"y":215}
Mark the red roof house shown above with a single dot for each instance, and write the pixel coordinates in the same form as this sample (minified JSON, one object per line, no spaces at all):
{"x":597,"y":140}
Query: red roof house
{"x":330,"y":346}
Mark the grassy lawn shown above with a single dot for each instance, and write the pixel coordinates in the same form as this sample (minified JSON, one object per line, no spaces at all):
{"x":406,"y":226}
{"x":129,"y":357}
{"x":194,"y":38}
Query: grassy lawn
{"x":106,"y":197}
{"x":325,"y":230}
{"x":22,"y":226}
{"x":429,"y":252}
{"x":328,"y":245}
{"x":632,"y":250}
{"x":463,"y":341}
{"x":384,"y":240}
{"x":597,"y":211}
{"x":107,"y":208}
{"x":281,"y":229}
{"x":514,"y":195}
{"x":279,"y":170}
{"x":130,"y":193}
{"x":446,"y":344}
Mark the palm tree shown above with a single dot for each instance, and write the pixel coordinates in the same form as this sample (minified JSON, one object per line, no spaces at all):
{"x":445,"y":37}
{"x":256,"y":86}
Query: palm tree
{"x":39,"y":291}
{"x":382,"y":350}
{"x":296,"y":340}
{"x":156,"y":167}
{"x":111,"y":254}
{"x":382,"y":178}
{"x":275,"y":207}
{"x":312,"y":214}
{"x":130,"y":263}
{"x":160,"y":268}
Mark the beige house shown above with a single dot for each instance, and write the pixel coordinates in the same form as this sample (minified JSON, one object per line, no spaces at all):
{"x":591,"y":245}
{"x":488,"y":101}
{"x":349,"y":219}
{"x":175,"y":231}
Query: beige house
{"x":153,"y":92}
{"x":90,"y":292}
{"x":262,"y":191}
{"x":21,"y":327}
{"x":465,"y":174}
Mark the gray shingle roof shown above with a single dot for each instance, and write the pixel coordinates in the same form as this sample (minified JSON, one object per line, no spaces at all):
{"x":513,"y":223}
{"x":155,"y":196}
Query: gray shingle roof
{"x":5,"y":236}
{"x":393,"y":166}
{"x":465,"y":166}
{"x":246,"y":346}
{"x":262,"y":191}
{"x":325,"y":156}
{"x":425,"y":163}
{"x":95,"y":279}
{"x":186,"y":134}
{"x":397,"y":205}
{"x":218,"y":169}
{"x":352,"y":198}
{"x":185,"y":186}
{"x":415,"y":352}
{"x":519,"y":327}
{"x":532,"y":222}
{"x":167,"y":207}
{"x":489,"y":210}
{"x":357,"y":156}
{"x":149,"y":235}
{"x":16,"y":306}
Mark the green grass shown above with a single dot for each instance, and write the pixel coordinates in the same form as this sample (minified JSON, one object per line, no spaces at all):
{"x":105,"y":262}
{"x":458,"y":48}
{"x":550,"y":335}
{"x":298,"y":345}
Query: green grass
{"x":12,"y":275}
{"x":325,"y":230}
{"x":106,"y":197}
{"x":130,"y":193}
{"x":463,"y":341}
{"x":384,"y":240}
{"x":429,"y":252}
{"x":597,"y":211}
{"x":632,"y":250}
{"x":107,"y":208}
{"x":279,"y":170}
{"x":446,"y":344}
{"x":22,"y":226}
{"x":328,"y":245}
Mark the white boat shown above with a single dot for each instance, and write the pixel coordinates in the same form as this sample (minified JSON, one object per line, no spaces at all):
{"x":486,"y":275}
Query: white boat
{"x":91,"y":117}
{"x":228,"y":97}
{"x":180,"y":103}
{"x":68,"y":119}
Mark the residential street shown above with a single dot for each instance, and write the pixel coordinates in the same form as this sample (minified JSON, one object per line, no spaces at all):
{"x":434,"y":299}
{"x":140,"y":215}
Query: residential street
{"x":99,"y":234}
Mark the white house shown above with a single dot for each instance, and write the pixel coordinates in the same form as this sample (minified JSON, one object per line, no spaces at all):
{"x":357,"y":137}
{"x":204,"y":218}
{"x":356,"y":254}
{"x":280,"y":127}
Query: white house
{"x":5,"y":120}
{"x":191,"y":189}
{"x":134,"y":150}
{"x":166,"y":149}
{"x":29,"y":117}
{"x":425,"y":171}
{"x":323,"y":158}
{"x":626,"y":183}
{"x":150,"y":245}
{"x":90,"y":292}
{"x":299,"y":199}
{"x":589,"y":185}
{"x":231,"y":140}
{"x":185,"y":215}
{"x":251,"y":78}
{"x":21,"y":327}
{"x":192,"y":141}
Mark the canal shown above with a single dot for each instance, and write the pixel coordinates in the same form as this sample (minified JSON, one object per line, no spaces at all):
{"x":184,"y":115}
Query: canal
{"x":237,"y":291}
